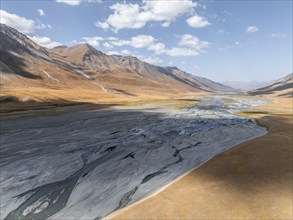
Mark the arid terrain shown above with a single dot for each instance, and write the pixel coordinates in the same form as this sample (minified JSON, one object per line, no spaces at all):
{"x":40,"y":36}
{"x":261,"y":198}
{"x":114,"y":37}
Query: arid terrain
{"x":134,"y":151}
{"x":86,"y":135}
{"x":81,"y":74}
{"x":251,"y":181}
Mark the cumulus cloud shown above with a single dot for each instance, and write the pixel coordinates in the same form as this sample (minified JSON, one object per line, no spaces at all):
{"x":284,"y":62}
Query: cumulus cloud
{"x":181,"y":52}
{"x":113,"y":53}
{"x":112,"y":38}
{"x":135,"y":16}
{"x":278,"y":35}
{"x":22,"y":24}
{"x":107,"y":45}
{"x":188,"y":45}
{"x":44,"y":41}
{"x":251,"y":29}
{"x":76,"y":2}
{"x":197,"y":22}
{"x":120,"y":43}
{"x":41,"y":12}
{"x":125,"y":52}
{"x":153,"y":60}
{"x":69,"y":2}
{"x":138,"y":41}
{"x":158,"y":48}
{"x":94,"y":41}
{"x":166,"y":24}
{"x":192,"y":41}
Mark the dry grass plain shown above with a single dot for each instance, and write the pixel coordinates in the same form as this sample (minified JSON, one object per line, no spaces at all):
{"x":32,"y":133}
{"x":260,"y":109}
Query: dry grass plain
{"x":251,"y":181}
{"x":38,"y":101}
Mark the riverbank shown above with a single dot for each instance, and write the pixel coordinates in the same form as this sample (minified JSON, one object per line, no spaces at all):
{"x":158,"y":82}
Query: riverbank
{"x":106,"y":160}
{"x":13,"y":110}
{"x":251,"y":181}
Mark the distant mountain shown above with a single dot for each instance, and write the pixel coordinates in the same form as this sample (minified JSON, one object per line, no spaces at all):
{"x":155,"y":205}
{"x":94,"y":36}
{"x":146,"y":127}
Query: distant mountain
{"x":247,"y":86}
{"x":202,"y":82}
{"x":282,"y":88}
{"x":26,"y":64}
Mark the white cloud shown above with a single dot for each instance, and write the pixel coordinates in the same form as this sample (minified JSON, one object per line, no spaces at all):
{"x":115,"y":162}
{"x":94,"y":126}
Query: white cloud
{"x":168,"y":10}
{"x":278,"y":35}
{"x":107,"y":45}
{"x":251,"y":29}
{"x":192,"y":41}
{"x":113,"y":53}
{"x":21,"y":24}
{"x":41,"y":12}
{"x":69,"y":2}
{"x":112,"y":38}
{"x":181,"y":52}
{"x":188,"y":45}
{"x":135,"y":16}
{"x":42,"y":26}
{"x":158,"y":48}
{"x":102,"y":25}
{"x":94,"y":41}
{"x":120,"y":43}
{"x":197,"y":22}
{"x":76,"y":2}
{"x":166,"y":24}
{"x":153,"y":60}
{"x":138,"y":41}
{"x":44,"y":41}
{"x":192,"y":46}
{"x":125,"y":52}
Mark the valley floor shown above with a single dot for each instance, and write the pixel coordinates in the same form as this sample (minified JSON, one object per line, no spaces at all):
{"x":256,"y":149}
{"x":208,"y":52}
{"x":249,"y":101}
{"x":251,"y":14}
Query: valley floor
{"x":88,"y":164}
{"x":250,"y":181}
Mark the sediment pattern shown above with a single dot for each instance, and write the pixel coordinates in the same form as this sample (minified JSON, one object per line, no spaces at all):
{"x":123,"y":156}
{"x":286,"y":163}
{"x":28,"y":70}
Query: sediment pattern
{"x":86,"y":165}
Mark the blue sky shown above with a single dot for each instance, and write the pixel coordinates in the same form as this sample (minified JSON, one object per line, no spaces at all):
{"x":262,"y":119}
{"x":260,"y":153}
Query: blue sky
{"x":220,"y":40}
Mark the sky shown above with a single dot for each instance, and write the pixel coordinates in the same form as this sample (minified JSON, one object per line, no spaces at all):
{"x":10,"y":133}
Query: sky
{"x":219,"y":40}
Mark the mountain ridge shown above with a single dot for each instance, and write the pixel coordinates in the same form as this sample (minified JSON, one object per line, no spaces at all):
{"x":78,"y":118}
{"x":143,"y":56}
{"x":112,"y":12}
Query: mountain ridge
{"x":281,"y":88}
{"x":82,"y":67}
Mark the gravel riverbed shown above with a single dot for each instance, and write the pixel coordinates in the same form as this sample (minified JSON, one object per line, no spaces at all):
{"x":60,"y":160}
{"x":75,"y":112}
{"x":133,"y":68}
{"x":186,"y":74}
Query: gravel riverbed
{"x":86,"y":165}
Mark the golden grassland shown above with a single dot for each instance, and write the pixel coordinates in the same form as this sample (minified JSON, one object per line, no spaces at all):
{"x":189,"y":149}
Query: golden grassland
{"x":251,"y":181}
{"x":35,"y":100}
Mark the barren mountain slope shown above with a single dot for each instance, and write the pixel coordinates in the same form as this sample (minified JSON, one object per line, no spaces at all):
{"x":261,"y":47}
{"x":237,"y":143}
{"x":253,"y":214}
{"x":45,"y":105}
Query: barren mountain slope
{"x":282,"y":88}
{"x":82,"y":73}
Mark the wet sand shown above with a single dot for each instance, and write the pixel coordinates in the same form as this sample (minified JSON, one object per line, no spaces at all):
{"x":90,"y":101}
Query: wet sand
{"x":251,"y":181}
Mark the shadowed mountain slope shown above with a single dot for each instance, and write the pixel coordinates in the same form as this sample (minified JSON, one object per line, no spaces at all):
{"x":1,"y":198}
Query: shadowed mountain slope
{"x":283,"y":88}
{"x":25,"y":64}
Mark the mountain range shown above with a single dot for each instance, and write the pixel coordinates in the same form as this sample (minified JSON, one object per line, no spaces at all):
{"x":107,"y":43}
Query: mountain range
{"x":81,"y":73}
{"x":26,"y":66}
{"x":281,"y":88}
{"x":248,"y":85}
